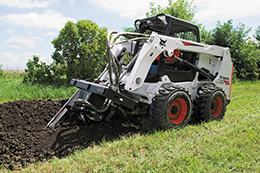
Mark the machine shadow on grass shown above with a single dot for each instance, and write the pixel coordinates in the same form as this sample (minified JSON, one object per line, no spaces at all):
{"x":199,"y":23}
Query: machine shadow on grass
{"x":83,"y":135}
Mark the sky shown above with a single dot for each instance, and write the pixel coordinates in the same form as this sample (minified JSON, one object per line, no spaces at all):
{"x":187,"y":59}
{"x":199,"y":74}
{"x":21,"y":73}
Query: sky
{"x":27,"y":27}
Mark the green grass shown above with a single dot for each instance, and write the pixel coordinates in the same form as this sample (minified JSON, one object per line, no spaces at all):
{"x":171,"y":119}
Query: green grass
{"x":12,"y":88}
{"x":229,"y":145}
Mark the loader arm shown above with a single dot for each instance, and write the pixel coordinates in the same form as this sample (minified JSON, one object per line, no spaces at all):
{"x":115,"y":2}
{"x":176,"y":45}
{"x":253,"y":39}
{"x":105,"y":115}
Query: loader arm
{"x":158,"y":44}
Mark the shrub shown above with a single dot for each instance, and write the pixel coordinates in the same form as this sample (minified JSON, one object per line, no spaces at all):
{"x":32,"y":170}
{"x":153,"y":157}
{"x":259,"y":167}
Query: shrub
{"x":38,"y":71}
{"x":1,"y":71}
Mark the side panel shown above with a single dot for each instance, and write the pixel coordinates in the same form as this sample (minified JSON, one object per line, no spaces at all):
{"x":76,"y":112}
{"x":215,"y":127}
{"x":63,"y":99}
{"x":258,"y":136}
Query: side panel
{"x":209,"y":62}
{"x":224,"y":79}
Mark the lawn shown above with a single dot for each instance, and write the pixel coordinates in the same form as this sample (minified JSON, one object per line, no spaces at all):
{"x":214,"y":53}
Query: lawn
{"x":229,"y":145}
{"x":13,"y":88}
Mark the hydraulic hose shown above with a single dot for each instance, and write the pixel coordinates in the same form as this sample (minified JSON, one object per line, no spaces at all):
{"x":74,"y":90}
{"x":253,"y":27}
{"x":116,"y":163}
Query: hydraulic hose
{"x":114,"y":66}
{"x":92,"y":107}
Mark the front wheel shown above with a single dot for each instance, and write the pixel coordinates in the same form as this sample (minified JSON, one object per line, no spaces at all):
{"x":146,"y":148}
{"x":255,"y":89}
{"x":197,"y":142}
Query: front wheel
{"x":171,"y":107}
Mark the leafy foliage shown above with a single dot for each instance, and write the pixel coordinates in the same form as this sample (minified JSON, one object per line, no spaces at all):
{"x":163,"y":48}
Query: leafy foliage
{"x":82,"y":47}
{"x":182,"y":9}
{"x":257,"y":33}
{"x":40,"y":72}
{"x":205,"y":36}
{"x":242,"y":49}
{"x":1,"y":71}
{"x":129,"y":29}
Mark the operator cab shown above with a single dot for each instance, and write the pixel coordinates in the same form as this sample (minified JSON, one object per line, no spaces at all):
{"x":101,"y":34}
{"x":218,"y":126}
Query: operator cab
{"x":170,"y":26}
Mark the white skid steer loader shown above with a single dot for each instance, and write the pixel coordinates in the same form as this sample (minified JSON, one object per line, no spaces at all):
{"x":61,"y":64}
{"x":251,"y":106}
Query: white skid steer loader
{"x":169,"y":71}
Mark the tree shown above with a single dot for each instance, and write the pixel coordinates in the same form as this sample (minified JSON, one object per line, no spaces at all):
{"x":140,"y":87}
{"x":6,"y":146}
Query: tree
{"x":257,"y":33}
{"x":1,"y":71}
{"x":154,"y":11}
{"x":182,"y":9}
{"x":129,"y":29}
{"x":242,"y":48}
{"x":205,"y":36}
{"x":82,"y":47}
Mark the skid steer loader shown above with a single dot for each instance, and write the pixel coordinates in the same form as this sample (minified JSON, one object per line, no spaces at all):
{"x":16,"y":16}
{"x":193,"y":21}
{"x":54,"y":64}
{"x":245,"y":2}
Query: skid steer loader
{"x":169,"y":71}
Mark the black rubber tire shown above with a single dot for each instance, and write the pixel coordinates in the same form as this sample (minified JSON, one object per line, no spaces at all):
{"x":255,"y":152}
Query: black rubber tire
{"x":210,"y":103}
{"x":171,"y":107}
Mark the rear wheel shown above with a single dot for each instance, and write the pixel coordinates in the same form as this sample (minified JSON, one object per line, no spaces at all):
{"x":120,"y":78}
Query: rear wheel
{"x":171,"y":107}
{"x":210,"y":103}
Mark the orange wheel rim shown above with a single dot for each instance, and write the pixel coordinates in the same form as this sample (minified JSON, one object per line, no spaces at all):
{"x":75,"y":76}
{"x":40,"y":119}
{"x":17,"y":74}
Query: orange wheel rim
{"x":216,"y":107}
{"x":178,"y":111}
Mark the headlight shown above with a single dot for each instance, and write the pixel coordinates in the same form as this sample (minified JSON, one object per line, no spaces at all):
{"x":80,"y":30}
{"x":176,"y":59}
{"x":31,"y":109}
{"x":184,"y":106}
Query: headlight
{"x":163,"y":19}
{"x":137,"y":24}
{"x":151,"y":39}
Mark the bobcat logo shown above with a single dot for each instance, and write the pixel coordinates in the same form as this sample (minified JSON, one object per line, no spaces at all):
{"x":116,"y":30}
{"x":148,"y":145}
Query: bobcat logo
{"x":163,"y":42}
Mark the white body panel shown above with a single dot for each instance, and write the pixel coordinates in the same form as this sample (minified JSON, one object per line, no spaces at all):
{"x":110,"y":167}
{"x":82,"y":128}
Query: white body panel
{"x":214,"y":58}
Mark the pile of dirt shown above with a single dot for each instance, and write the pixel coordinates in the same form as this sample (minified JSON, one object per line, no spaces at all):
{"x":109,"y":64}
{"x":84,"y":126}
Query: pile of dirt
{"x":24,"y":139}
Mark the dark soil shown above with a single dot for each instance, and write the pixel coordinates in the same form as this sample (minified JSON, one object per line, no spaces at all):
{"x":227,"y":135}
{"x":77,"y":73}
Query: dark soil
{"x":24,"y":139}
